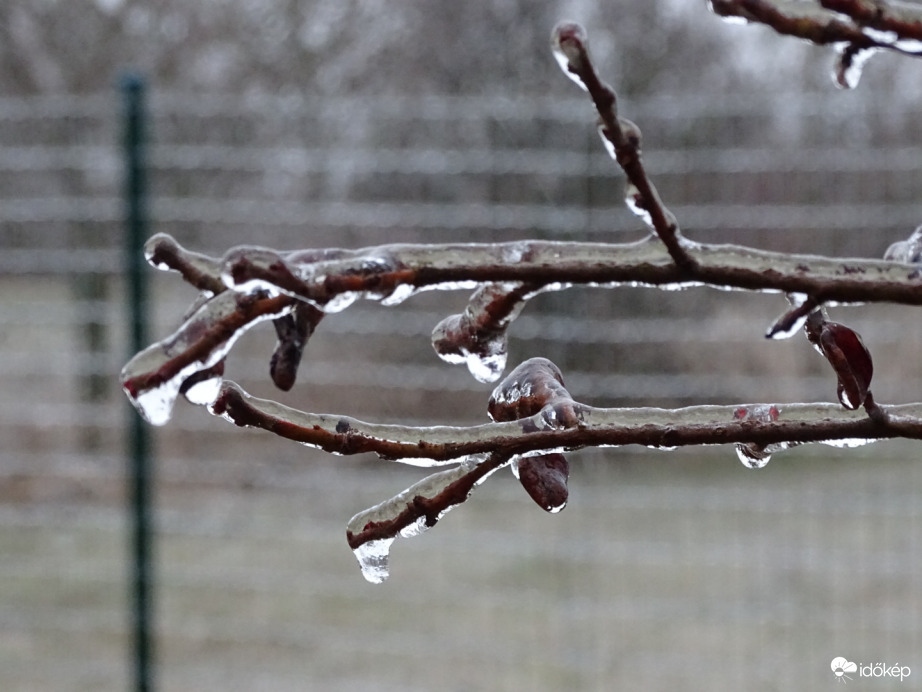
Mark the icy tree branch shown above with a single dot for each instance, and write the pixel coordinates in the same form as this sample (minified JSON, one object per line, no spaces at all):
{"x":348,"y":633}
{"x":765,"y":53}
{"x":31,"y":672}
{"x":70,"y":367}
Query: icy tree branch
{"x":329,"y":280}
{"x":597,"y":427}
{"x":856,"y":28}
{"x":535,"y":419}
{"x":622,"y":139}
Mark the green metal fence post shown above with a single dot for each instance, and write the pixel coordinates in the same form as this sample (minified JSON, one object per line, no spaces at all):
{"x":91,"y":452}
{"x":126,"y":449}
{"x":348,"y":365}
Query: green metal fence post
{"x":135,"y":196}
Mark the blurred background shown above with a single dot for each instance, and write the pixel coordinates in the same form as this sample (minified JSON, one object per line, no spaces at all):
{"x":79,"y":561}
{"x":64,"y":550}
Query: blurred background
{"x":344,"y":123}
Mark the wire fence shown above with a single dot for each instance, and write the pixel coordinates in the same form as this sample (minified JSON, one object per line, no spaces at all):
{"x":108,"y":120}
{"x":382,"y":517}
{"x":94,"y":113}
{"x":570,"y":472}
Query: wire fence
{"x":659,"y":573}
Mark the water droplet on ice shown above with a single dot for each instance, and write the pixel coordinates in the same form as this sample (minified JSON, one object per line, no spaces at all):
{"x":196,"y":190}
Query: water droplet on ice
{"x":486,"y":368}
{"x":156,"y":405}
{"x":373,"y":554}
{"x":153,"y":395}
{"x":205,"y":392}
{"x":752,"y":456}
{"x":373,"y":557}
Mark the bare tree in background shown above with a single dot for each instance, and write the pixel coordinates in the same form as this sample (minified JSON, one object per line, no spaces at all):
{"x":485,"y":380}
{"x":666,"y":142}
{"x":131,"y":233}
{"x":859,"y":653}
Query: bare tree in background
{"x":535,"y":420}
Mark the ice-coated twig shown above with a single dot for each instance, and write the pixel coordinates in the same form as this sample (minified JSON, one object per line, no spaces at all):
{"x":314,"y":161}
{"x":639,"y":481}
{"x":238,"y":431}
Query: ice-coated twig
{"x":599,"y":427}
{"x":201,"y":271}
{"x":362,"y":273}
{"x":269,"y":285}
{"x":794,"y":318}
{"x":153,"y":378}
{"x":806,"y":20}
{"x":413,"y":511}
{"x":478,"y":336}
{"x":856,"y":28}
{"x":903,"y":20}
{"x":535,"y":418}
{"x":623,"y":140}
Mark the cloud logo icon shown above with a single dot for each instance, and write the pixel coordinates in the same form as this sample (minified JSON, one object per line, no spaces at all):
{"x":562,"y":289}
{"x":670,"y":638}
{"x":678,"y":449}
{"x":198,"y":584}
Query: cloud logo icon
{"x":840,"y":666}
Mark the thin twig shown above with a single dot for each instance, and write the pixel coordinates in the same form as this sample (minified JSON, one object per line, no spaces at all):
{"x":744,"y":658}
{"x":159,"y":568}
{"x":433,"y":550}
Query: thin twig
{"x":569,"y":41}
{"x":650,"y":427}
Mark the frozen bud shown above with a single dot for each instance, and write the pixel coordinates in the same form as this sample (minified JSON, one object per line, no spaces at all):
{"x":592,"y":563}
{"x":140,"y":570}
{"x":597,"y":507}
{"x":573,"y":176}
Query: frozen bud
{"x":632,"y":134}
{"x":568,"y":42}
{"x":535,"y":386}
{"x":526,"y":390}
{"x":459,"y":339}
{"x":848,"y":356}
{"x":569,"y":39}
{"x":478,"y":335}
{"x":293,"y":332}
{"x":545,"y":478}
{"x":851,"y":360}
{"x":160,"y":249}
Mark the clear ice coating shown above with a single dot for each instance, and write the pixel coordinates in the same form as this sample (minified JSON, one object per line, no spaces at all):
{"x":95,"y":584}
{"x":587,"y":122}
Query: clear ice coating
{"x":154,"y":396}
{"x":607,"y":143}
{"x":565,"y":50}
{"x":205,"y":392}
{"x":399,"y":294}
{"x":891,"y":38}
{"x":785,"y":328}
{"x":477,"y":337}
{"x":510,"y":392}
{"x":755,"y":456}
{"x":373,"y":559}
{"x":373,"y":555}
{"x":487,"y":368}
{"x":339,"y":302}
{"x":486,"y":365}
{"x":728,"y":18}
{"x":788,"y":330}
{"x":848,"y":443}
{"x":908,"y":251}
{"x":849,"y":64}
{"x":634,"y":201}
